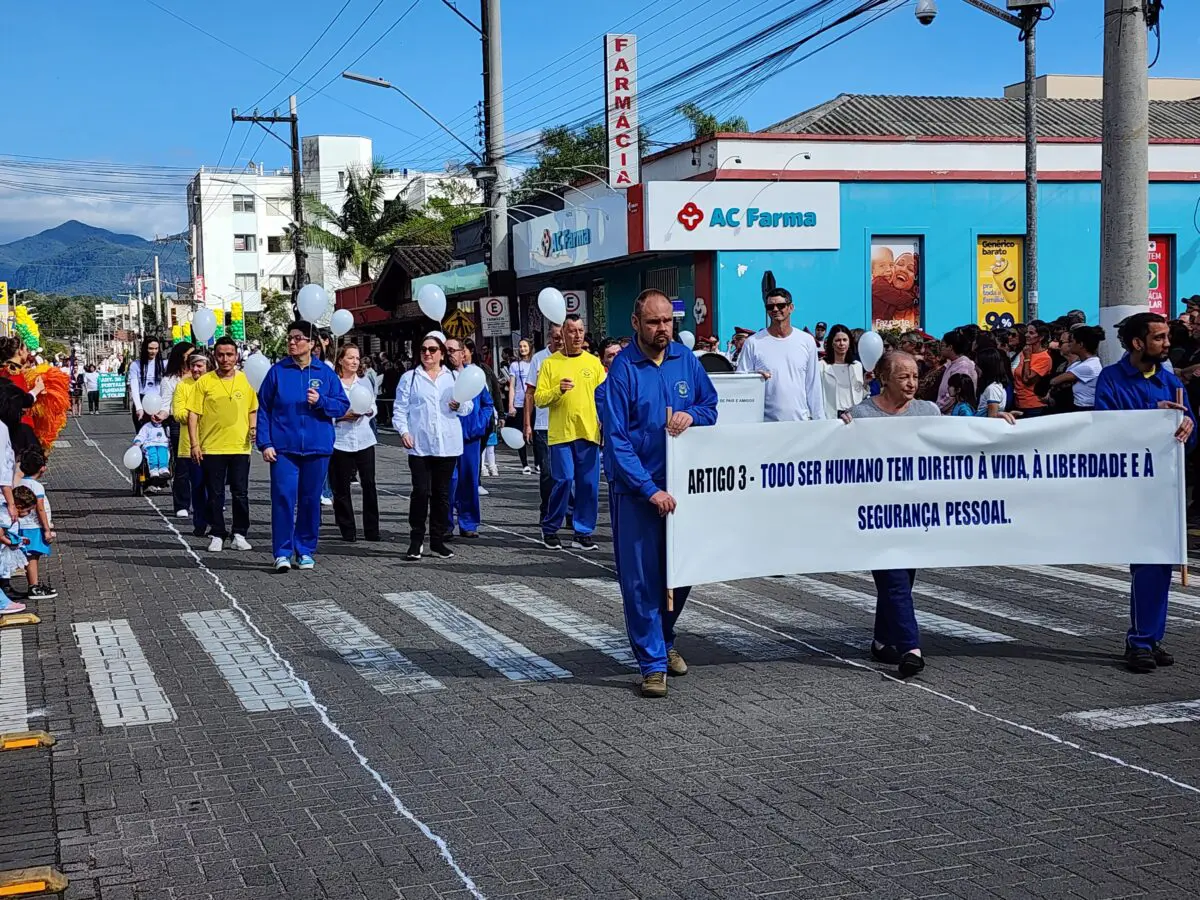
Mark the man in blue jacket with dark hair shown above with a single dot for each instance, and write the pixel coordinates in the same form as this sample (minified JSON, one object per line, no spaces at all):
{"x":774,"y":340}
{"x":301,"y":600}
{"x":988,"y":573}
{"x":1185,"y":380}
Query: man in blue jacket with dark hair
{"x":649,"y":376}
{"x":1139,"y":381}
{"x":298,"y":403}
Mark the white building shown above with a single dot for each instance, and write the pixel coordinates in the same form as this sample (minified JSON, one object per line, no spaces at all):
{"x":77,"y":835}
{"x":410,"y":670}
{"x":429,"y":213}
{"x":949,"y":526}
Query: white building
{"x":240,"y":219}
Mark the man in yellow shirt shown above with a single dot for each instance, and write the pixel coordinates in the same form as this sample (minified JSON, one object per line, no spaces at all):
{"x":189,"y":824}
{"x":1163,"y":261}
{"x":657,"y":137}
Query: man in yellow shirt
{"x":188,"y":484}
{"x":221,"y":424}
{"x":566,"y":384}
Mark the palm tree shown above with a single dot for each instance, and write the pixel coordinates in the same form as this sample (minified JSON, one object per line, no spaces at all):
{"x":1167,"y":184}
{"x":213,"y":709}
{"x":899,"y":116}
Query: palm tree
{"x":706,"y":124}
{"x":363,"y":234}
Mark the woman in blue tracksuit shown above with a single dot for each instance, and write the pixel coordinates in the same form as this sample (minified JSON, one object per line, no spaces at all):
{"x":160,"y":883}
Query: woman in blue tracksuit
{"x":1139,"y":381}
{"x":298,"y":403}
{"x":476,"y":425}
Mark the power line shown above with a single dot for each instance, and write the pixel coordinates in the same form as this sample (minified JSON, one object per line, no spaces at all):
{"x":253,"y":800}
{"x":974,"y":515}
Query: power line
{"x":303,"y":56}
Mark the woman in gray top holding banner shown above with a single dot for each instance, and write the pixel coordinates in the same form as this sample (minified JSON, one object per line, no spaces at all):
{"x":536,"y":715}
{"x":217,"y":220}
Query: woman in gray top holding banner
{"x":897,"y":638}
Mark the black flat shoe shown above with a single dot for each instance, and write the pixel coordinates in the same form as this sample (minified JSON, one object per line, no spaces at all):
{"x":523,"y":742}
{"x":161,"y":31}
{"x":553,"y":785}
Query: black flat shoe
{"x":887,"y":655}
{"x":911,"y":664}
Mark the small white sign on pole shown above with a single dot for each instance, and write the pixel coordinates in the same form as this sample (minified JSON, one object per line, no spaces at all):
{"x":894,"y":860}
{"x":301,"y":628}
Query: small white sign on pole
{"x":741,"y":397}
{"x":576,"y":304}
{"x":494,"y":314}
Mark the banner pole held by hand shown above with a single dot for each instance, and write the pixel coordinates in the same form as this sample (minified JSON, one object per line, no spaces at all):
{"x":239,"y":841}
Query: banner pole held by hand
{"x":1183,"y":569}
{"x":670,"y":593}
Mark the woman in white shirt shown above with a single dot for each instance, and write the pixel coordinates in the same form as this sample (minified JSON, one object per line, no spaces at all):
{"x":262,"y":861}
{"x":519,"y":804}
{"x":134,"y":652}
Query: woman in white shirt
{"x":145,"y":376}
{"x":519,"y":372}
{"x":354,"y":453}
{"x":1083,"y":372}
{"x":842,"y":378}
{"x":426,"y":418}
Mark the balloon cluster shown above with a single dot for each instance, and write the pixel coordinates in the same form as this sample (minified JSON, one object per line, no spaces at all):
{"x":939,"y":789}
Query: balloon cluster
{"x":27,"y":329}
{"x":237,"y":321}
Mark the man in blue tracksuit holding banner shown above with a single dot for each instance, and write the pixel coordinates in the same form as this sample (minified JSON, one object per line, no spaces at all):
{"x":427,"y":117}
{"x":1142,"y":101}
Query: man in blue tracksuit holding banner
{"x":1139,"y":381}
{"x":650,"y":376}
{"x":298,"y":402}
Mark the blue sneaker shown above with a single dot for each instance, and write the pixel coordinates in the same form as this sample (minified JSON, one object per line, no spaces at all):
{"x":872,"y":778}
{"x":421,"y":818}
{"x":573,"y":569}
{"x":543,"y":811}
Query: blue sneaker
{"x":306,"y":562}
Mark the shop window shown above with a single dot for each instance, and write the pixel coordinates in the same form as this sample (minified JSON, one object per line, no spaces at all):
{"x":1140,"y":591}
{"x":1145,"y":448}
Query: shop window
{"x":896,"y":284}
{"x":665,"y":280}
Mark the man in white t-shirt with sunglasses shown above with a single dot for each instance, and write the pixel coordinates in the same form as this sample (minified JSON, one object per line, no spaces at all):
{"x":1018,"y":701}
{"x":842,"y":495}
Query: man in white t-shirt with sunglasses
{"x":787,"y":358}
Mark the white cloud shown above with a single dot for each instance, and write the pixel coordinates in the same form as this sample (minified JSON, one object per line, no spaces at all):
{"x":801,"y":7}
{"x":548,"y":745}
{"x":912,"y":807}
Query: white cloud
{"x":24,"y":213}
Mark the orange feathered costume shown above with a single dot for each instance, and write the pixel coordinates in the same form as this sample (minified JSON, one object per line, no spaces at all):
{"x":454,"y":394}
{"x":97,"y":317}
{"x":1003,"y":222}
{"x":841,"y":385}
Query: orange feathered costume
{"x":52,"y":405}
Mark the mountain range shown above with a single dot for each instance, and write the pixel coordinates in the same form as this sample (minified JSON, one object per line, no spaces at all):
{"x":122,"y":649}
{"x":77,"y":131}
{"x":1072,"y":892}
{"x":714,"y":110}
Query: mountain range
{"x":75,"y":258}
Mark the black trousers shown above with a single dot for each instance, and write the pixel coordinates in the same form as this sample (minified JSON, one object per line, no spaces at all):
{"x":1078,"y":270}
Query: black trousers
{"x":233,"y":469}
{"x":517,"y":421}
{"x":430,"y":496}
{"x":541,"y":457}
{"x":342,"y":467}
{"x":93,"y":401}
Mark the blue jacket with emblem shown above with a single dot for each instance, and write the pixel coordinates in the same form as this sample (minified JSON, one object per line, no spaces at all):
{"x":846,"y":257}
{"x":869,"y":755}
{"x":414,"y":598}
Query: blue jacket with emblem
{"x":286,"y":421}
{"x":1123,"y":386}
{"x":634,"y":417}
{"x":478,"y":421}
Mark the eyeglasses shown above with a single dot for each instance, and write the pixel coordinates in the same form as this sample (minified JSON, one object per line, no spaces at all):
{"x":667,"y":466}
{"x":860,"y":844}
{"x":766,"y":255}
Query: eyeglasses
{"x":454,"y":349}
{"x":771,"y":307}
{"x":430,"y":349}
{"x":296,"y":338}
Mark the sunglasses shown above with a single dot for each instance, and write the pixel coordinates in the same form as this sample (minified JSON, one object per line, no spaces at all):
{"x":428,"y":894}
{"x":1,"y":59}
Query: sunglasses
{"x":431,"y":349}
{"x":13,"y":366}
{"x":771,"y":307}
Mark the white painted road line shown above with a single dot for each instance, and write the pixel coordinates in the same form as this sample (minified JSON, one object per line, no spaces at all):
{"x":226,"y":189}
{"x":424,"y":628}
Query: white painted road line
{"x":1103,"y":582}
{"x":14,"y":709}
{"x":1137,"y":716}
{"x":998,"y":608}
{"x":724,"y":634}
{"x":817,"y":626}
{"x":126,"y":691}
{"x":255,"y":676}
{"x":382,"y":666}
{"x":929,"y":622}
{"x":563,"y":619}
{"x":508,"y":657}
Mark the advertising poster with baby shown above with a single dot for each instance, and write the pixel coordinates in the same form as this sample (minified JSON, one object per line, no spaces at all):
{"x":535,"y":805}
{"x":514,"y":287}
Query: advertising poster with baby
{"x":895,"y":283}
{"x":998,"y":263}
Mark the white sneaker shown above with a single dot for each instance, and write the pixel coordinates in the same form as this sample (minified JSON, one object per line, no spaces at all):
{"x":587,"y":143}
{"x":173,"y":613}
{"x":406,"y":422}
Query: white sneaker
{"x":495,"y":472}
{"x":527,"y":471}
{"x":283,"y":564}
{"x":215,"y":545}
{"x":181,"y":513}
{"x":483,"y":492}
{"x":239,"y":543}
{"x":327,"y":501}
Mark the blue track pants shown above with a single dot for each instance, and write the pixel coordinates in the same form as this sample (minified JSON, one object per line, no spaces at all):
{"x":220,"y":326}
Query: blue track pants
{"x":296,"y":484}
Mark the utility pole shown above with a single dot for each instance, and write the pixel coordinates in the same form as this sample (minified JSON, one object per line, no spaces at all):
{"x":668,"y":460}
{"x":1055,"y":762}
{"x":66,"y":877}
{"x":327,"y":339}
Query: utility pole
{"x":141,"y":324}
{"x":501,"y":281}
{"x":160,"y":308}
{"x":301,"y":278}
{"x":1124,"y":170}
{"x":1029,"y":20}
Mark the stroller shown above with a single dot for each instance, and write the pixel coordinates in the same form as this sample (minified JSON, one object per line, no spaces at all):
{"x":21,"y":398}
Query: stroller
{"x":141,"y":481}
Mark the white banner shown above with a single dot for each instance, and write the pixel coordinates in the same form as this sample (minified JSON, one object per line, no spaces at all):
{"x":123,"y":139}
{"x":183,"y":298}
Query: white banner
{"x":741,"y":398}
{"x":785,"y":498}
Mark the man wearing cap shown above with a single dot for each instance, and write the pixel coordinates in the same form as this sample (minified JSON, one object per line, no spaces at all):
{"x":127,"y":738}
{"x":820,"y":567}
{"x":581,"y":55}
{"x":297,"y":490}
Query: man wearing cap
{"x":819,"y":336}
{"x":736,"y":342}
{"x":650,"y":376}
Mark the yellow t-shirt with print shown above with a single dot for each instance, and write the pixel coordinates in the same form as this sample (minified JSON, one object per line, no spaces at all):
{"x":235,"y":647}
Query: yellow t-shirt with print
{"x":179,"y":409}
{"x":573,"y":414}
{"x":224,"y":409}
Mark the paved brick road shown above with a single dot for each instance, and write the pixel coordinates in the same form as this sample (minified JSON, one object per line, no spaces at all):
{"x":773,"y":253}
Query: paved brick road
{"x":486,"y":701}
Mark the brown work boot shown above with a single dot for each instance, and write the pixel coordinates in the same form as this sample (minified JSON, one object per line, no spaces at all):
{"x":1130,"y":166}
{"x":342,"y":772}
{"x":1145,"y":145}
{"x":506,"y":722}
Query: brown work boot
{"x":675,"y":663}
{"x":654,"y":685}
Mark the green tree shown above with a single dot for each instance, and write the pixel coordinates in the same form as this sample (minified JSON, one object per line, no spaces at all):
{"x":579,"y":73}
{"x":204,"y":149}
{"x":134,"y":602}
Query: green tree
{"x":565,"y":156}
{"x":269,"y":327}
{"x":61,"y":315}
{"x":362,"y":234}
{"x":706,"y":124}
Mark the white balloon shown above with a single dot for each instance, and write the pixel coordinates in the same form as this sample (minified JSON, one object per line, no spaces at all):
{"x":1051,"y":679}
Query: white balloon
{"x":152,"y":403}
{"x":342,"y":321}
{"x":470,"y":384}
{"x":132,"y":458}
{"x":312,"y":302}
{"x":432,"y":300}
{"x":361,"y":400}
{"x":437,"y":334}
{"x":553,"y":305}
{"x":687,"y":339}
{"x":204,"y":325}
{"x":870,"y":349}
{"x":512,"y":437}
{"x":255,"y":368}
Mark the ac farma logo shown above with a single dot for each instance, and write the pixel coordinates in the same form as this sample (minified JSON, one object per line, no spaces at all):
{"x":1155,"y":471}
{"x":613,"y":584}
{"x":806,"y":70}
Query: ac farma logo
{"x":690,"y":216}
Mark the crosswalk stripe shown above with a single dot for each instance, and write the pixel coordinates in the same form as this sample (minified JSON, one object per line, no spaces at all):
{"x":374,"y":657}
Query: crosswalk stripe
{"x":818,"y":626}
{"x":255,"y":676}
{"x":382,"y":666}
{"x":930,"y":622}
{"x":1103,"y":582}
{"x":724,"y":634}
{"x":998,"y":608}
{"x":512,"y":659}
{"x":14,"y":715}
{"x":1136,"y":716}
{"x":562,"y":618}
{"x":123,"y":684}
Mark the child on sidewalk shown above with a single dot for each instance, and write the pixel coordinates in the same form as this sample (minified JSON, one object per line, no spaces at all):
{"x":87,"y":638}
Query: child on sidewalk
{"x":11,"y":557}
{"x":153,"y":440}
{"x":37,"y":528}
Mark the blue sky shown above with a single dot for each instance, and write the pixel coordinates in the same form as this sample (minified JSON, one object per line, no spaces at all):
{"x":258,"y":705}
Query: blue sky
{"x":127,"y":84}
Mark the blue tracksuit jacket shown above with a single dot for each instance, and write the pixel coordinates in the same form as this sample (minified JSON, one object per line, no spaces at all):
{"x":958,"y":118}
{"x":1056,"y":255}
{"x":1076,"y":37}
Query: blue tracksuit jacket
{"x":637,"y":394}
{"x":478,"y":422}
{"x":286,"y":421}
{"x":1121,"y":386}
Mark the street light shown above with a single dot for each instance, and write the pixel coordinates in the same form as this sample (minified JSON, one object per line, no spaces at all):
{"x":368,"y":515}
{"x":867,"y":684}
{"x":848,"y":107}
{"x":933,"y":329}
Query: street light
{"x":1029,"y":13}
{"x":380,"y":82}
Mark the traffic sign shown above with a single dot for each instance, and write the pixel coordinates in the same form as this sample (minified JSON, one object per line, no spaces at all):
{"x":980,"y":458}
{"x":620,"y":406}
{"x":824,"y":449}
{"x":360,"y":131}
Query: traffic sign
{"x":495,"y":316}
{"x":576,"y":304}
{"x":459,"y":325}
